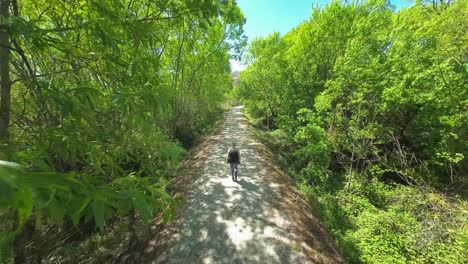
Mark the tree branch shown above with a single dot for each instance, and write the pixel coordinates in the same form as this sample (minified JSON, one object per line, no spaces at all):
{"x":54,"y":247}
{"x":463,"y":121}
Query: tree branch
{"x":165,"y":18}
{"x":15,"y":7}
{"x":20,"y":51}
{"x":45,"y":74}
{"x":200,"y":65}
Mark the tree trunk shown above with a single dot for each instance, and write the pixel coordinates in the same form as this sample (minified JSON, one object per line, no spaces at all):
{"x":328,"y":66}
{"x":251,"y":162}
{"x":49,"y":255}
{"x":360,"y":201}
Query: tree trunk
{"x":5,"y":84}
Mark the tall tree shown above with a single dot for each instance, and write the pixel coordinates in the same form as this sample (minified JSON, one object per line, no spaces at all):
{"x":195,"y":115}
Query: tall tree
{"x":5,"y":85}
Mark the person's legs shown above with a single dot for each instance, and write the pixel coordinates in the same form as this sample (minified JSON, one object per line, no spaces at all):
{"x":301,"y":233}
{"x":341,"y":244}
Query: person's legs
{"x":233,"y":167}
{"x":235,"y":173}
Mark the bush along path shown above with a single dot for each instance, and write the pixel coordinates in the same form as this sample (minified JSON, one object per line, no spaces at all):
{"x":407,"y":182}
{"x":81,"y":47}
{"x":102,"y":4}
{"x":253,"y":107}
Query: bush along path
{"x":258,"y":219}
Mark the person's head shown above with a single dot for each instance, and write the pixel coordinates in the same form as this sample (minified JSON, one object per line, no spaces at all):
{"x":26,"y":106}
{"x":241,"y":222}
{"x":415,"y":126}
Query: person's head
{"x":233,"y":145}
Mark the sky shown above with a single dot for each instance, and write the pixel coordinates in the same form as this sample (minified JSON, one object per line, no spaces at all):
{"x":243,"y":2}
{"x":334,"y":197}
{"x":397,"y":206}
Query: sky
{"x":267,"y":16}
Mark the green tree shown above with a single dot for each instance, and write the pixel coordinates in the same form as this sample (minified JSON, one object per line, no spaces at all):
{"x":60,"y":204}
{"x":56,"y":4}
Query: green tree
{"x":103,"y":95}
{"x":370,"y":95}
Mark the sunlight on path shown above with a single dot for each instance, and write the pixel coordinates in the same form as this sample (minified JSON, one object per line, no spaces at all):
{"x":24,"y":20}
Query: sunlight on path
{"x":237,"y":222}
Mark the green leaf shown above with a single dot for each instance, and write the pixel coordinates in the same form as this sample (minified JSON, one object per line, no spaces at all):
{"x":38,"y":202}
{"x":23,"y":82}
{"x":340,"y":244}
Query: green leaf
{"x":6,"y":190}
{"x":57,"y":210}
{"x":38,"y":220}
{"x":84,"y":90}
{"x":123,"y":205}
{"x":76,"y":214}
{"x":6,"y":245}
{"x":168,"y":214}
{"x":142,"y":205}
{"x":99,"y":213}
{"x":25,"y":206}
{"x":11,"y":165}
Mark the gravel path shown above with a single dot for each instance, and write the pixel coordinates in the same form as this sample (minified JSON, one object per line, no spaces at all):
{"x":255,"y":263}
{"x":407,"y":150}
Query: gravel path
{"x":258,"y":219}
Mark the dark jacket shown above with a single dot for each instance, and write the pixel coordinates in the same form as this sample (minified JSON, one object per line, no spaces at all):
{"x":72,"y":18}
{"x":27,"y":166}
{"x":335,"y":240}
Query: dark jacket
{"x":233,"y":156}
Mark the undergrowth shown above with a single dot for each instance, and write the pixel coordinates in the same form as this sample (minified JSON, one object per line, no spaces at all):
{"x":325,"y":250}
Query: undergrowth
{"x":376,"y":222}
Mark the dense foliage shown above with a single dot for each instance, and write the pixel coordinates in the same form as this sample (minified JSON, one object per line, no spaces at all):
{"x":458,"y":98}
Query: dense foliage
{"x":368,"y":109}
{"x":98,"y":101}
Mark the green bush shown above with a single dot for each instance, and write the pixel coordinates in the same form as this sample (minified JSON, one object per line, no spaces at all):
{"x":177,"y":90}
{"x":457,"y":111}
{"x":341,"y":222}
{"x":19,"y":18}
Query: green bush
{"x":312,"y":152}
{"x":393,"y":224}
{"x":362,"y":89}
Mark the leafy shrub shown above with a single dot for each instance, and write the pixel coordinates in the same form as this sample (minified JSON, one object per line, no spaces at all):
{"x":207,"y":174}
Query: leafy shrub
{"x":312,"y":150}
{"x":394,"y":224}
{"x":58,"y":197}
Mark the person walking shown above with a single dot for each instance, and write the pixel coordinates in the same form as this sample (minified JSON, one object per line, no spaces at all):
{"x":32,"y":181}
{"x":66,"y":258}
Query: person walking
{"x":233,"y":158}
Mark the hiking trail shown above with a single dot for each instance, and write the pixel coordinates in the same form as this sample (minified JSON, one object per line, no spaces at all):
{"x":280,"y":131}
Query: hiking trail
{"x":258,"y":219}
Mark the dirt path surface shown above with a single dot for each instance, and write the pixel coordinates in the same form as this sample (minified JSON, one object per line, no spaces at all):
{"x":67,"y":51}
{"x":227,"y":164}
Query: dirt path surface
{"x":258,"y":219}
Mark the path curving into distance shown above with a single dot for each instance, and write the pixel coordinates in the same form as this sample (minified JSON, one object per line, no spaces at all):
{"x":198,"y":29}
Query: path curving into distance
{"x":259,"y":219}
